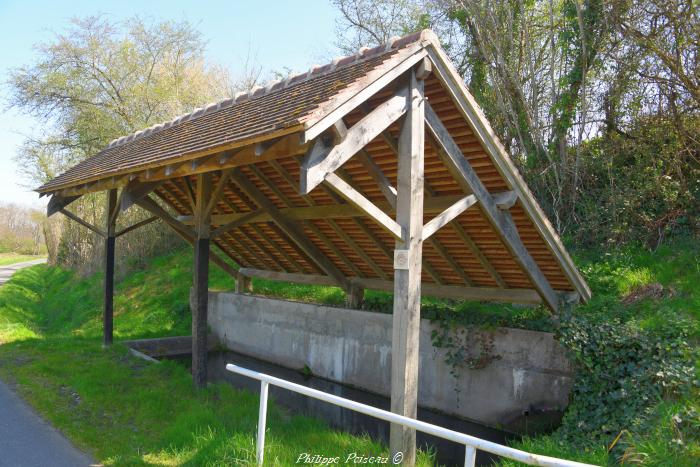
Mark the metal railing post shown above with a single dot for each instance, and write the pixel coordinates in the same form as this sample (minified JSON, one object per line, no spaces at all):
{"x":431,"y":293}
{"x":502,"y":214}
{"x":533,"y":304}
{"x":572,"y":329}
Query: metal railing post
{"x":469,"y":456}
{"x":262,"y":421}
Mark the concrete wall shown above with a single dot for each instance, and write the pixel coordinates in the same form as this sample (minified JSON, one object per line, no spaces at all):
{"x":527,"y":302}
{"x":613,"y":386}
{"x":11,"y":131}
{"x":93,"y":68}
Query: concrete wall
{"x":526,"y":371}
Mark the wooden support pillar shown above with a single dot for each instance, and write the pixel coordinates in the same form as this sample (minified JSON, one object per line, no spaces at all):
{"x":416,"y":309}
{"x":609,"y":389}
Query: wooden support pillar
{"x":110,"y":237}
{"x":201,"y":282}
{"x":244,"y":284}
{"x":356,"y":296}
{"x":407,"y":273}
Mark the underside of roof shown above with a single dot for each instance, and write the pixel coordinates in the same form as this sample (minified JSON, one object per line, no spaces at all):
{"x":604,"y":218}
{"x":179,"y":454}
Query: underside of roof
{"x":256,"y":144}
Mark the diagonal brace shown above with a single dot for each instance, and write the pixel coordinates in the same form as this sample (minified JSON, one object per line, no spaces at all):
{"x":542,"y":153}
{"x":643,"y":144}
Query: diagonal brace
{"x":503,"y":224}
{"x":323,"y":159}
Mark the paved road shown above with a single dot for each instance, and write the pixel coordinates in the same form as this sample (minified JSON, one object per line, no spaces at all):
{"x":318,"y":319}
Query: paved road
{"x":26,"y":440}
{"x":7,"y":271}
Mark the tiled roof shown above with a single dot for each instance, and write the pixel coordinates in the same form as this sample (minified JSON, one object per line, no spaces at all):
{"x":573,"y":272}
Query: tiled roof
{"x":263,"y":110}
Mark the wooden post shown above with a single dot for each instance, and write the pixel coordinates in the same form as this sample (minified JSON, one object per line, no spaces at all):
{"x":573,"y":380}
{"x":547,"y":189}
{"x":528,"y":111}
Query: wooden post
{"x":110,"y":237}
{"x":244,"y":284}
{"x":407,"y":274}
{"x":356,"y":296}
{"x":201,"y":282}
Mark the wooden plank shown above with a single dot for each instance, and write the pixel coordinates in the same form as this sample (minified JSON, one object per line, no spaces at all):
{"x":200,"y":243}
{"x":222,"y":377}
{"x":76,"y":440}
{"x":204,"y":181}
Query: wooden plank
{"x":82,"y":222}
{"x":447,"y":216}
{"x":505,"y":229}
{"x":407,"y":275}
{"x":291,"y":230}
{"x":108,"y":301}
{"x":442,"y":251}
{"x":478,"y":294}
{"x":455,"y":292}
{"x":325,"y":160}
{"x":358,"y":200}
{"x":485,"y":263}
{"x":468,"y":108}
{"x":308,"y":279}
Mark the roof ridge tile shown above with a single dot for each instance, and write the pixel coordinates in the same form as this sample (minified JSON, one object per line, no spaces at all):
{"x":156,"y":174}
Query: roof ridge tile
{"x":363,"y":53}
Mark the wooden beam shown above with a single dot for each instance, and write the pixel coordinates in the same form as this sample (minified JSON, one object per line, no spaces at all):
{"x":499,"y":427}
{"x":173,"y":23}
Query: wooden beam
{"x":485,"y":263}
{"x":383,"y":79}
{"x":335,"y":211}
{"x":291,"y":230}
{"x":308,"y":279}
{"x":183,"y":231}
{"x":454,"y":84}
{"x":355,"y":297}
{"x":376,"y":173}
{"x":243,"y":219}
{"x":134,"y":191}
{"x":506,"y":229}
{"x":108,"y":303}
{"x":218,"y":192}
{"x":189,"y":191}
{"x":359,"y":201}
{"x":447,"y":216}
{"x":200,"y":288}
{"x":424,"y":68}
{"x":243,"y":283}
{"x":58,"y":202}
{"x":454,"y":292}
{"x":136,"y":226}
{"x":82,"y":222}
{"x":321,"y":162}
{"x":408,"y":255}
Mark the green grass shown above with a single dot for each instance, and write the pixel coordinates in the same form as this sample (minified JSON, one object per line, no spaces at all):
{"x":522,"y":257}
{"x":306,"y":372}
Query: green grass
{"x":671,"y":437}
{"x":122,"y":410}
{"x":127,"y":412}
{"x":12,"y":258}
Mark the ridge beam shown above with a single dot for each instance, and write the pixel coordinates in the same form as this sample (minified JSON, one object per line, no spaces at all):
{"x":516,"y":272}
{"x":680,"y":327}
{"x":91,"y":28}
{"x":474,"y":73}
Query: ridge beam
{"x":323,"y":160}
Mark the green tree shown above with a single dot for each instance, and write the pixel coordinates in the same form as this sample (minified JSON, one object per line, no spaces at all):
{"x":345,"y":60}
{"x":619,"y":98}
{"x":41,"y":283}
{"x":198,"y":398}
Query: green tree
{"x":99,"y":80}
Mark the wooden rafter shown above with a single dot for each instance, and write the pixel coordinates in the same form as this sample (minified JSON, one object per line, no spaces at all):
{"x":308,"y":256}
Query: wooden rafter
{"x":503,"y":224}
{"x":290,"y":229}
{"x":324,"y":160}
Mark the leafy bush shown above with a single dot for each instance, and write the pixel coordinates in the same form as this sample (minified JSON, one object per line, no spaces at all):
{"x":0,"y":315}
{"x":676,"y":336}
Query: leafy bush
{"x":623,"y":373}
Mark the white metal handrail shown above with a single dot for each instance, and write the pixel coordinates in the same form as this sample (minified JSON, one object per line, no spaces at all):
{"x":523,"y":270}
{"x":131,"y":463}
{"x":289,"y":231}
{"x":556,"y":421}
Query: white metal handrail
{"x":470,"y":442}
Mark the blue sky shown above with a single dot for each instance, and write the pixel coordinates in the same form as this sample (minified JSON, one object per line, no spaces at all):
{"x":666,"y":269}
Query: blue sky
{"x":294,"y":34}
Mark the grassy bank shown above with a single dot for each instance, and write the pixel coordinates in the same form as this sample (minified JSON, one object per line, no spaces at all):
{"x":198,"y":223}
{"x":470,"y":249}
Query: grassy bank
{"x":629,"y":344}
{"x":13,"y":258}
{"x":125,"y":411}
